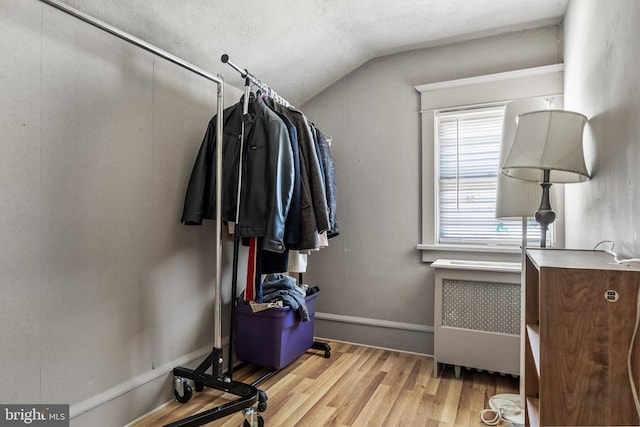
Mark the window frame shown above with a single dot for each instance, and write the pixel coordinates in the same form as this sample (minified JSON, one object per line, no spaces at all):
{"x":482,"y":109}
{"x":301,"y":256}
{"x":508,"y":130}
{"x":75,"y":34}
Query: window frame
{"x":444,"y":118}
{"x":474,"y":92}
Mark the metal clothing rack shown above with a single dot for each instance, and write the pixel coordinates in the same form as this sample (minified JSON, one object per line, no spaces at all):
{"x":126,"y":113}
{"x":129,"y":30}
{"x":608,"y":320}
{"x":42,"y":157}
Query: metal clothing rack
{"x":250,"y":79}
{"x":248,"y":393}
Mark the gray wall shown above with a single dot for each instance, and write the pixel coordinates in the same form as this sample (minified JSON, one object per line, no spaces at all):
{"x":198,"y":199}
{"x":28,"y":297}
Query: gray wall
{"x":602,"y":81}
{"x":100,"y":283}
{"x":373,"y":270}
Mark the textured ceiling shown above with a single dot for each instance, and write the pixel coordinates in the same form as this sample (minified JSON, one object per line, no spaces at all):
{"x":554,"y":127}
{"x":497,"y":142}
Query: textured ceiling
{"x":299,"y":47}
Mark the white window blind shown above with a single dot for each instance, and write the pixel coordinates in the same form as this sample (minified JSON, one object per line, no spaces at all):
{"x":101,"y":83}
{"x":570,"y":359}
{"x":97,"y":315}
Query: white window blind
{"x":468,"y":152}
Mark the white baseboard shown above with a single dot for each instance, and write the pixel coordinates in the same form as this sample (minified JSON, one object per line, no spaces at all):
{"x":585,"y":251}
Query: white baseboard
{"x":139,"y":395}
{"x":322,"y":339}
{"x":373,"y":322}
{"x":106,"y":408}
{"x":138,"y":381}
{"x":148,"y":414}
{"x":386,"y":334}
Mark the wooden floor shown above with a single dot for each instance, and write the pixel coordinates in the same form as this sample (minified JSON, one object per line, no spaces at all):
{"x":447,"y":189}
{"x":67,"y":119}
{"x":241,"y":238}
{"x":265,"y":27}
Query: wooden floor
{"x":356,"y":386}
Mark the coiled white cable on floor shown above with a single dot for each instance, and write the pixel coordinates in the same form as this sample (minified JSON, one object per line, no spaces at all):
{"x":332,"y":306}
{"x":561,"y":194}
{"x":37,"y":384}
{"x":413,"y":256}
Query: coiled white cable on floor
{"x":502,"y":406}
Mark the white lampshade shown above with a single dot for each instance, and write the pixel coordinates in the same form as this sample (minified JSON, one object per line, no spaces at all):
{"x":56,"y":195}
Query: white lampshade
{"x":548,"y":140}
{"x":516,"y":198}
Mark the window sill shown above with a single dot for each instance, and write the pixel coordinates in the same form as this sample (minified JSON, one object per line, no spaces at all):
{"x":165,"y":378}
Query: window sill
{"x":431,"y":253}
{"x":500,"y":267}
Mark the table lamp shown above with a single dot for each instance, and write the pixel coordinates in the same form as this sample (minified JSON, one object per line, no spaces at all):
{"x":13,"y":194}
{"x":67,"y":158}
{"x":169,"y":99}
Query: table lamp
{"x":547,"y":148}
{"x":517,"y":199}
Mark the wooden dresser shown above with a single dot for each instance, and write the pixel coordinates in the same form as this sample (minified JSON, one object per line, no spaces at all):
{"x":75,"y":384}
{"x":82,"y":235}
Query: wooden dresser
{"x":580,"y":313}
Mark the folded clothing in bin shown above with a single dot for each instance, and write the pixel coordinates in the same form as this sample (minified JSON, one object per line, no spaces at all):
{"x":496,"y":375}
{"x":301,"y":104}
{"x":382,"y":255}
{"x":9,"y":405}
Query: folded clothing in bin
{"x":274,"y":337}
{"x":281,"y":287}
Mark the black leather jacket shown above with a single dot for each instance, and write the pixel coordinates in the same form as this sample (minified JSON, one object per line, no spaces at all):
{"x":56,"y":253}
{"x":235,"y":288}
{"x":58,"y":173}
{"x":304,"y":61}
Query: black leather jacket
{"x":267,"y":178}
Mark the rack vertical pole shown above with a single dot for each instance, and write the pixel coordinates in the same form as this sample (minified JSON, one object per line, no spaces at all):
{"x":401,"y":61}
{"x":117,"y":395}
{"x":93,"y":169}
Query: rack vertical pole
{"x":217,"y":314}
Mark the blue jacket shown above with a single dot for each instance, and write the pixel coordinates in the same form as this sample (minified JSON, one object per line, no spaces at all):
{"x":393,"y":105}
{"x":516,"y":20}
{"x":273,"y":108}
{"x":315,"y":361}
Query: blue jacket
{"x":331,"y":188}
{"x":314,"y":210}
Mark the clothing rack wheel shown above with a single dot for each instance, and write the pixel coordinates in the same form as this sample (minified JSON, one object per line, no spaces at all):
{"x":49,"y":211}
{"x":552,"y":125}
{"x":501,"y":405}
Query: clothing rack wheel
{"x":323,"y":346}
{"x":249,"y":394}
{"x":252,"y":419}
{"x":182,"y":391}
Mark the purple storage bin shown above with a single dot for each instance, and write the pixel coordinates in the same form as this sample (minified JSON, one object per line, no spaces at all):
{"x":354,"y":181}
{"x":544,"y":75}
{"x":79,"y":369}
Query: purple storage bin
{"x":274,"y":337}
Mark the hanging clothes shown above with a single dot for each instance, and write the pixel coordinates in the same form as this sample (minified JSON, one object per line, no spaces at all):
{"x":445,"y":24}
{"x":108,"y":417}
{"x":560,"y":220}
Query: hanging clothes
{"x":267,"y":178}
{"x":253,"y":287}
{"x":314,"y":210}
{"x":297,"y":262}
{"x":200,"y":200}
{"x":287,"y":191}
{"x":293,"y":227}
{"x":279,"y":262}
{"x":331,"y":187}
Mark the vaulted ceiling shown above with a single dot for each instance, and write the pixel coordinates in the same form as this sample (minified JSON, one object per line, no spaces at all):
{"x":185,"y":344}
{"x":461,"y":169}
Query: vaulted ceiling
{"x":299,"y":47}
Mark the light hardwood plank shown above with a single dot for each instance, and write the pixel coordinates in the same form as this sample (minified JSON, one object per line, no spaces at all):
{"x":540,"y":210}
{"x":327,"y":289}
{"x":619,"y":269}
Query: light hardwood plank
{"x":356,"y":386}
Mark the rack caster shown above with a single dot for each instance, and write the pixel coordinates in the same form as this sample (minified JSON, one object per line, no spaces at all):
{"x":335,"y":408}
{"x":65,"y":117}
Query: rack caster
{"x":322,"y":346}
{"x":182,"y":390}
{"x":262,"y":401}
{"x":252,"y":418}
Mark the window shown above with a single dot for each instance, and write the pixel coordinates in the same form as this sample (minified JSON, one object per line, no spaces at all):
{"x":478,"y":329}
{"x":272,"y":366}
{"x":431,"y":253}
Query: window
{"x":461,"y":134}
{"x":468,"y":154}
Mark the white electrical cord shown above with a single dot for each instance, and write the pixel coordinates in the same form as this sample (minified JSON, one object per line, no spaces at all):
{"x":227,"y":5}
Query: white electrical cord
{"x":634,"y":390}
{"x":614,"y":255}
{"x":502,"y":407}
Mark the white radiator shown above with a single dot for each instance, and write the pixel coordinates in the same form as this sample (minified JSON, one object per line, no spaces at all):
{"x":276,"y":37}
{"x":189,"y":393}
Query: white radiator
{"x":477,"y":315}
